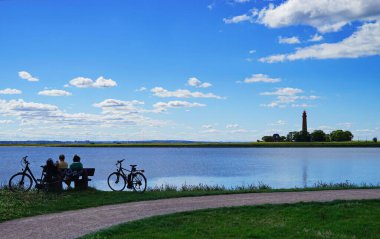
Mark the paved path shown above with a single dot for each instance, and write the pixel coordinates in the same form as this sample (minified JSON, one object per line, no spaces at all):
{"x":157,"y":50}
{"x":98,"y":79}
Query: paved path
{"x":72,"y":224}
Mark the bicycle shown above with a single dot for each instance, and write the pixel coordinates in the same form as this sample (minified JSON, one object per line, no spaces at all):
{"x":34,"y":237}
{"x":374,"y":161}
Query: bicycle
{"x":23,"y":181}
{"x":134,"y":180}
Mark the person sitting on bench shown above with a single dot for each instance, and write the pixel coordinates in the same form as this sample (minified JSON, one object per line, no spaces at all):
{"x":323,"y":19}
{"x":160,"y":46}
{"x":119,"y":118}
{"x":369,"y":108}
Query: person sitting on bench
{"x":52,"y":176}
{"x":76,"y":165}
{"x":75,"y":170}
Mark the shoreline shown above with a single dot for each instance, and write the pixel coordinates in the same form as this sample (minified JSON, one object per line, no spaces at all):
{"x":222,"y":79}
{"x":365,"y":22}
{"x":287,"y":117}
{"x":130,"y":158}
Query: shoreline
{"x":211,"y":145}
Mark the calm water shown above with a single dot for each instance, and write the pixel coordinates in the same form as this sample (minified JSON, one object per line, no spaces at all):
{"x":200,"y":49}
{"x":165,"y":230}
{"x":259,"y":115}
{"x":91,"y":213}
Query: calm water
{"x":278,"y":167}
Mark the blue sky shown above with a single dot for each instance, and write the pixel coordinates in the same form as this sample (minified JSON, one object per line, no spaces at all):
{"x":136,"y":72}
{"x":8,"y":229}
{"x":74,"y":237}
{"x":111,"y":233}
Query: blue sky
{"x":227,"y":70}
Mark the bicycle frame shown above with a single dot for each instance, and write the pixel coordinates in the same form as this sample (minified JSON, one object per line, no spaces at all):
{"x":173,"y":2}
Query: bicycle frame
{"x":29,"y":172}
{"x":122,"y":170}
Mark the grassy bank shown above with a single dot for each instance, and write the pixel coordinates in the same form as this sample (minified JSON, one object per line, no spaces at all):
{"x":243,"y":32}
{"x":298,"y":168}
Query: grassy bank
{"x":17,"y":205}
{"x":351,"y":219}
{"x":219,"y":145}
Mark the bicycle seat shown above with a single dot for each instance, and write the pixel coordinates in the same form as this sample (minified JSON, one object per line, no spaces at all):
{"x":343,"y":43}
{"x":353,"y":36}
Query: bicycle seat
{"x":133,"y":165}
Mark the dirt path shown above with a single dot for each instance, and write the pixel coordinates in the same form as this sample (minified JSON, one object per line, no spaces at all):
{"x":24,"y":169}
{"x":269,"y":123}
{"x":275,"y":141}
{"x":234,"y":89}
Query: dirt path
{"x":72,"y":224}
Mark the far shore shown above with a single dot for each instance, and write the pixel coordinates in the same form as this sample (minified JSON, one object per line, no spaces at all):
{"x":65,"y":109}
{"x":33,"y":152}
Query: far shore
{"x":212,"y":144}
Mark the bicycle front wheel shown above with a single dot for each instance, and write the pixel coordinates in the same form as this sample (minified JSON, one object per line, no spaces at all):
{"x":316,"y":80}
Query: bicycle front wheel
{"x":139,"y":182}
{"x":116,"y":181}
{"x":20,"y":182}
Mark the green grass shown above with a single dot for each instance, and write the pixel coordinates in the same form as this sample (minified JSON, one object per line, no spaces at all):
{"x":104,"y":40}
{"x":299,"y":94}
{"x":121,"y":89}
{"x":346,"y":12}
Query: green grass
{"x":338,"y":220}
{"x":218,"y":144}
{"x":17,"y":205}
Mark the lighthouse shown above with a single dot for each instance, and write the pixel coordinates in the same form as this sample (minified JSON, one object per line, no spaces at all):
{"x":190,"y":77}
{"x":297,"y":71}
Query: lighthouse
{"x":304,"y":123}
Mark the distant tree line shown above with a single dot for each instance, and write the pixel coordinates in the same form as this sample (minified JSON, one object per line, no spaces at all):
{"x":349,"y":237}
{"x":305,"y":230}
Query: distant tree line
{"x":315,"y":136}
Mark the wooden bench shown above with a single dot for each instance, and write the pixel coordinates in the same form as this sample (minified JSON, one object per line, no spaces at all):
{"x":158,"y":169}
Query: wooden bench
{"x":81,"y":180}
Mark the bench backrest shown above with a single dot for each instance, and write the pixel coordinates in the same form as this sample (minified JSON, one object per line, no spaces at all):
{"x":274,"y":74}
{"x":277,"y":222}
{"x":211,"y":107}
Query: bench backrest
{"x":90,"y":171}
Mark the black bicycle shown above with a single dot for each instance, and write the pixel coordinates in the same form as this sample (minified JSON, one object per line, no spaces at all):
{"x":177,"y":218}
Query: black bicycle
{"x":23,"y":181}
{"x":134,"y":180}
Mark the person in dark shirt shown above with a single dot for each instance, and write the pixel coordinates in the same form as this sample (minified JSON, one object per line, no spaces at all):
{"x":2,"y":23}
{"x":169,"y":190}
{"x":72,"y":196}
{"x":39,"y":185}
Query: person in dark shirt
{"x":76,"y":165}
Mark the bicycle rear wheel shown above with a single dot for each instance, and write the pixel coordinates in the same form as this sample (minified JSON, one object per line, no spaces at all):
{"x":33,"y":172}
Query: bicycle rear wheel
{"x":20,"y":182}
{"x":139,"y":182}
{"x":116,"y":181}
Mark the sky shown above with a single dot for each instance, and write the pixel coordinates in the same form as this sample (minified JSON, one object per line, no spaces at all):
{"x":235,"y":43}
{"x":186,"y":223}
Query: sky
{"x":210,"y":70}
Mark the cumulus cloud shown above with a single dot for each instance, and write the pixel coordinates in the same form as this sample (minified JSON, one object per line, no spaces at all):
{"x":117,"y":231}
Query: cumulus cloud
{"x":163,"y":106}
{"x":325,"y":15}
{"x":120,"y":107}
{"x":364,"y":42}
{"x":284,"y":91}
{"x":6,"y":121}
{"x":231,"y":126}
{"x":197,"y":83}
{"x":9,"y":91}
{"x":207,"y":126}
{"x":141,"y":89}
{"x":237,"y":19}
{"x":255,"y":78}
{"x":54,"y":93}
{"x":46,"y":116}
{"x":164,"y":93}
{"x":100,"y":82}
{"x":27,"y":76}
{"x":288,"y":40}
{"x":316,"y":38}
{"x":288,"y":97}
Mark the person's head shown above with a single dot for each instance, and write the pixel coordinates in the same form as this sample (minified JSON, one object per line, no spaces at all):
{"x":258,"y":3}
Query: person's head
{"x":61,"y":157}
{"x":49,"y":163}
{"x":76,"y":158}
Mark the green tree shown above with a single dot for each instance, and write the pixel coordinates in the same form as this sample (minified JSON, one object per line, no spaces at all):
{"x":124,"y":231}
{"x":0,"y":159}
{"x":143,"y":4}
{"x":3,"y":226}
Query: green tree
{"x":318,"y":136}
{"x":340,"y":135}
{"x":375,"y":139}
{"x":291,"y":136}
{"x":267,"y":138}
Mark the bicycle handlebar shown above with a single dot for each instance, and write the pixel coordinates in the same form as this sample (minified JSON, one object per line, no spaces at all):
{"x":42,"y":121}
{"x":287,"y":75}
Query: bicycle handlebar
{"x":119,"y":161}
{"x":24,"y":159}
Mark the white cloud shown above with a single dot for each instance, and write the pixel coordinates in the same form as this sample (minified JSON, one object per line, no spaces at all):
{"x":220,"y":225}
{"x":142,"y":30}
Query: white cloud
{"x":101,"y":82}
{"x":6,"y":121}
{"x":54,"y":93}
{"x":284,"y":91}
{"x":141,"y":89}
{"x":163,"y":93}
{"x":197,"y":83}
{"x":288,"y":96}
{"x":261,"y":78}
{"x":237,"y":19}
{"x":252,"y":51}
{"x":231,"y":126}
{"x":288,"y":40}
{"x":163,"y":106}
{"x":211,"y":6}
{"x":325,"y":15}
{"x":316,"y":38}
{"x":364,"y":42}
{"x":9,"y":91}
{"x":120,"y":107}
{"x":207,"y":126}
{"x":27,"y":76}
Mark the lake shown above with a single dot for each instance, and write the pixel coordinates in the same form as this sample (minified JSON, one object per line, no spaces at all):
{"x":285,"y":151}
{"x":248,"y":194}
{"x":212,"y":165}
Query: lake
{"x":277,"y":167}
